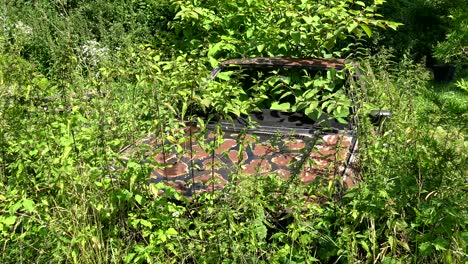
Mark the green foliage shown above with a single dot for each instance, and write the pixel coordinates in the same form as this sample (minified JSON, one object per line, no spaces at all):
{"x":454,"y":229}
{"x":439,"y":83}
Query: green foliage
{"x":463,"y":85}
{"x":455,"y":47}
{"x":71,"y":99}
{"x":279,"y":28}
{"x":415,"y":167}
{"x":425,"y":24}
{"x":313,"y":92}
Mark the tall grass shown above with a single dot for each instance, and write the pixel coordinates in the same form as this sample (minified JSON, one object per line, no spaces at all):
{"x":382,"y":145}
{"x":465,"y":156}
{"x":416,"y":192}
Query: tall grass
{"x":80,"y":88}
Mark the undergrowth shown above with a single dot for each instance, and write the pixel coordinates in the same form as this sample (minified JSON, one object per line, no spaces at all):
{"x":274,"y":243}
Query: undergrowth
{"x":70,"y":102}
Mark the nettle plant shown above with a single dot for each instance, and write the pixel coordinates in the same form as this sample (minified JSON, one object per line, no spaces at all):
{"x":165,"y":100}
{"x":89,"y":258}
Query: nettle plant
{"x":275,"y":28}
{"x":293,"y":90}
{"x":232,"y":29}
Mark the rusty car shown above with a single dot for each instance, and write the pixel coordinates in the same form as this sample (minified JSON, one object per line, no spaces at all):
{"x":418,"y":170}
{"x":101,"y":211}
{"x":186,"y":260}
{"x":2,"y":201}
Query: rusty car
{"x":267,"y":141}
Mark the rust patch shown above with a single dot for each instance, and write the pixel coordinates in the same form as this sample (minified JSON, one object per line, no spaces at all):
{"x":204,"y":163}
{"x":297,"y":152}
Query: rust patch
{"x":233,"y":156}
{"x":337,"y":140}
{"x":180,"y":186}
{"x":225,"y":146}
{"x":284,"y":159}
{"x":249,"y":139}
{"x":323,"y":152}
{"x":213,"y":164}
{"x":308,"y":175}
{"x":210,"y":182}
{"x":284,"y":174}
{"x":171,"y":170}
{"x":295,"y":144}
{"x":257,"y":166}
{"x":263,"y":149}
{"x":207,"y":177}
{"x":199,"y":153}
{"x":168,"y":157}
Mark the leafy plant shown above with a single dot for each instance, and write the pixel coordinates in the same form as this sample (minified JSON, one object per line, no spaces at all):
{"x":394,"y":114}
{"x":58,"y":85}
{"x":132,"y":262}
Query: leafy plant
{"x":256,"y":28}
{"x":454,"y":49}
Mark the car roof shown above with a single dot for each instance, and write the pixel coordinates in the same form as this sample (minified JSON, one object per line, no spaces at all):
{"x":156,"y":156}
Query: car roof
{"x":286,"y":62}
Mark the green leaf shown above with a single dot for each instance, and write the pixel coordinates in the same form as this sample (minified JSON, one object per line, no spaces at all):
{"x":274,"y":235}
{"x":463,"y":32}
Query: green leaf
{"x":281,"y":107}
{"x":225,"y":76}
{"x":139,"y":199}
{"x":365,"y":246}
{"x":28,"y":205}
{"x":393,"y":25}
{"x":360,"y":3}
{"x":129,"y":257}
{"x":171,"y":232}
{"x":213,"y":49}
{"x":260,"y":47}
{"x":309,"y":20}
{"x":366,"y":29}
{"x":296,"y":36}
{"x":213,"y":62}
{"x":440,"y":244}
{"x":146,"y":223}
{"x":249,"y":32}
{"x":425,"y":248}
{"x":329,"y":44}
{"x":352,"y":26}
{"x":311,"y":110}
{"x":9,"y":221}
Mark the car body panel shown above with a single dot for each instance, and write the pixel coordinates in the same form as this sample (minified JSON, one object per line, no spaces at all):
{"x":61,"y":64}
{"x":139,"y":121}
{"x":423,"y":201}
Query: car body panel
{"x":267,"y":142}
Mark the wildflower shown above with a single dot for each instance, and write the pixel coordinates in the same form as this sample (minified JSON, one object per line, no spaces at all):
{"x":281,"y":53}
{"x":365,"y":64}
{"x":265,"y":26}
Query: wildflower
{"x":92,"y":52}
{"x":176,"y":214}
{"x":23,"y":28}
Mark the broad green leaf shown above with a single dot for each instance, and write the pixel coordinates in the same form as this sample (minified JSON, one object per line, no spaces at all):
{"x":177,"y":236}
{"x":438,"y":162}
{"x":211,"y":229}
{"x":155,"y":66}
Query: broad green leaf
{"x":311,"y":109}
{"x":440,"y":244}
{"x":249,"y":32}
{"x":226,"y":76}
{"x":352,"y":26}
{"x":310,"y":20}
{"x":360,"y":3}
{"x":260,"y":47}
{"x":296,"y":36}
{"x":146,"y":223}
{"x":139,"y":199}
{"x":213,"y":62}
{"x":171,"y":232}
{"x":213,"y":49}
{"x":281,"y":107}
{"x":393,"y":25}
{"x":307,"y":19}
{"x":366,"y":29}
{"x":161,"y":235}
{"x":28,"y":205}
{"x":329,"y":44}
{"x":10,"y":220}
{"x":425,"y":248}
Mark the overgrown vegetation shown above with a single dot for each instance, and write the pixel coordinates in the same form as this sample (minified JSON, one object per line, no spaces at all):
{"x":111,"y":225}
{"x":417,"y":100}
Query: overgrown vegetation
{"x":80,"y":80}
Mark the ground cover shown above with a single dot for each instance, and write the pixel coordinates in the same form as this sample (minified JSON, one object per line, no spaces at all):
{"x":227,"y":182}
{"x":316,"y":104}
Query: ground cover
{"x":77,"y":85}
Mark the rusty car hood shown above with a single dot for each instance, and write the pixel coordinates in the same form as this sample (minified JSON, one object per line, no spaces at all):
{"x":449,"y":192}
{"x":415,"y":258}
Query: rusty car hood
{"x":197,"y":161}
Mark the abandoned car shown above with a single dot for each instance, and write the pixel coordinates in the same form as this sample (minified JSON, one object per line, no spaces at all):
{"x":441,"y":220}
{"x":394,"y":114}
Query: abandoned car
{"x":286,"y":136}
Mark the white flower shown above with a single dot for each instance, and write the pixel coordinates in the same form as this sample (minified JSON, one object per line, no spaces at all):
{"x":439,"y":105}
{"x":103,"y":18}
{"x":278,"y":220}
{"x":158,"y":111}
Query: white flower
{"x":175,"y":214}
{"x":23,"y":28}
{"x":92,"y":52}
